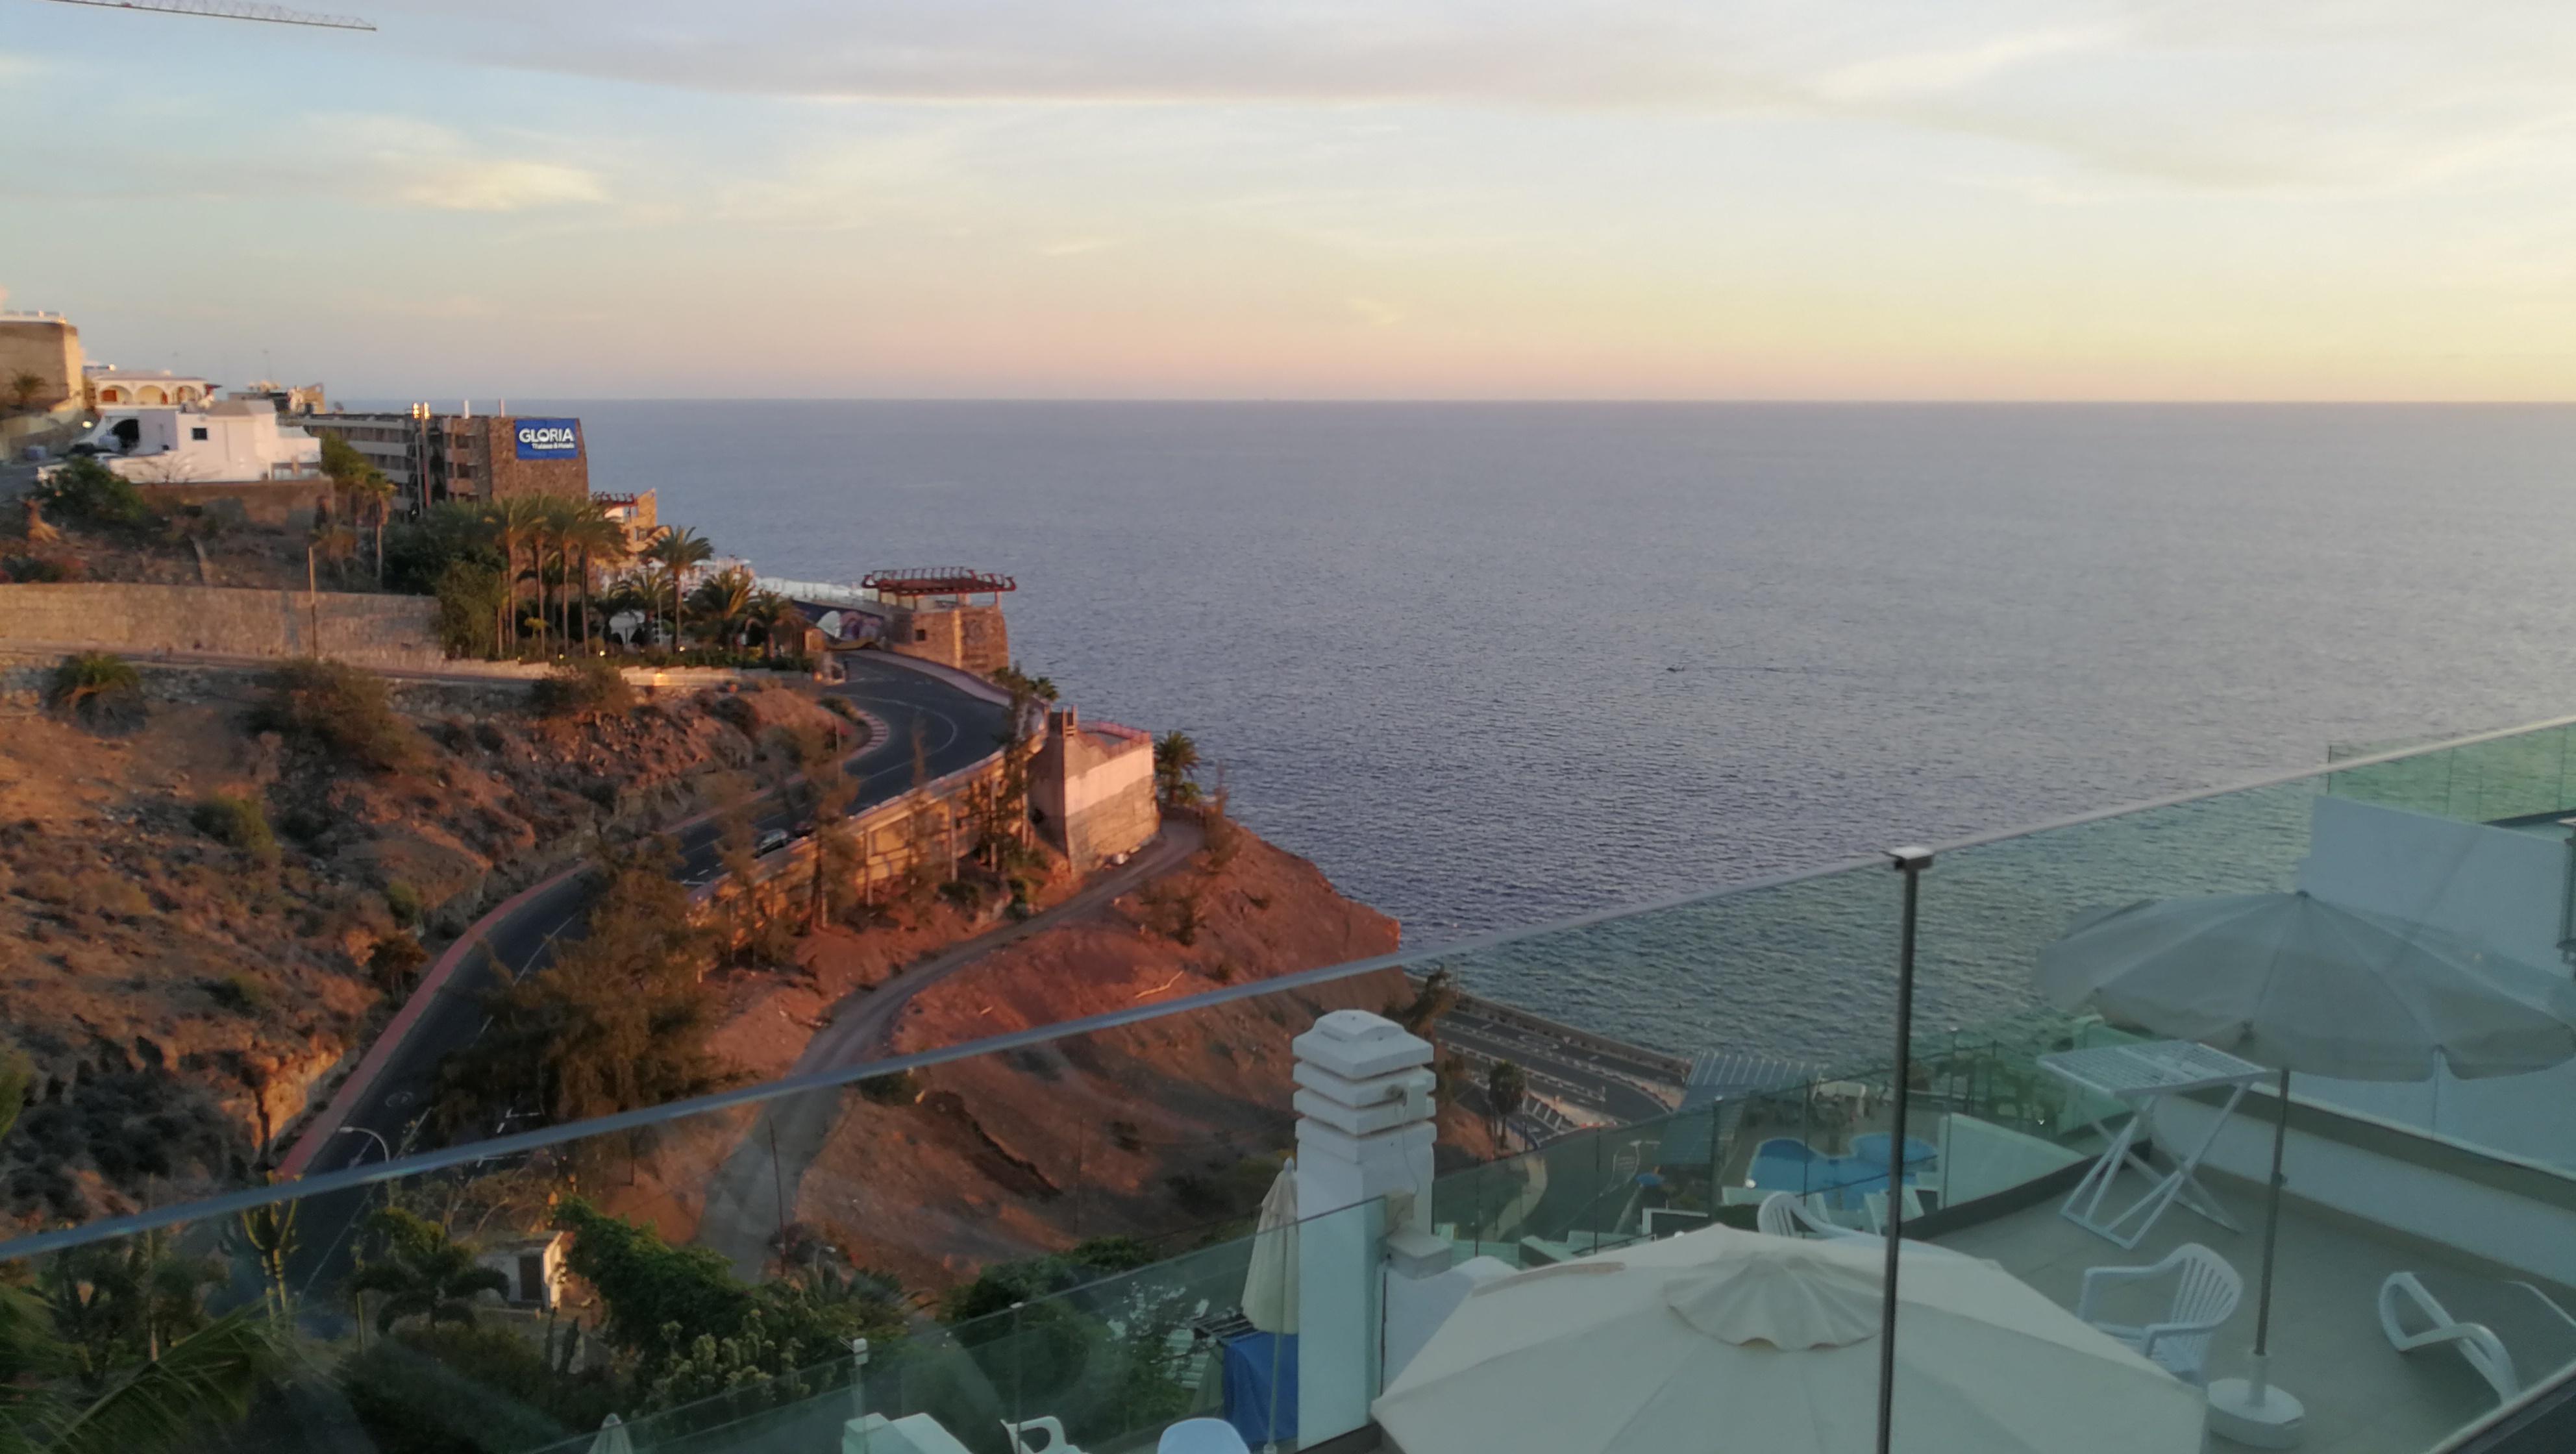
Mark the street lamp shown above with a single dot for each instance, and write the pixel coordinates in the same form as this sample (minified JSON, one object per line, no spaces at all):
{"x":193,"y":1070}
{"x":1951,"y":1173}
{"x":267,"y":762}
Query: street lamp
{"x":370,"y":1135}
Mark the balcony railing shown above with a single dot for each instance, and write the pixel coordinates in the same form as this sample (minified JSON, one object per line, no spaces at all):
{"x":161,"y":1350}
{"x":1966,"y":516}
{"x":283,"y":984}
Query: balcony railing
{"x":1161,"y":1123}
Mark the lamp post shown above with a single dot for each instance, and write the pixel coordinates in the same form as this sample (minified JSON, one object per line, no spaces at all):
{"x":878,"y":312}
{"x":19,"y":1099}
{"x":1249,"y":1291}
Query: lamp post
{"x":381,"y":1144}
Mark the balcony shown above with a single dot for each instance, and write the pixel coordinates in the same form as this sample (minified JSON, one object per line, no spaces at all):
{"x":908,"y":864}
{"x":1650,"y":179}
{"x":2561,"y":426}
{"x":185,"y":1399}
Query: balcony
{"x":2466,"y":1183}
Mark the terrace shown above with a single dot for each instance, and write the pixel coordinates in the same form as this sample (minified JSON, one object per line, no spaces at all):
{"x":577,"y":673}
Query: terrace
{"x":2475,"y":1179}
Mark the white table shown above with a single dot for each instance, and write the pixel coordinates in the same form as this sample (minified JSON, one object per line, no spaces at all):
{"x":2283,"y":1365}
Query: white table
{"x":2139,"y":1076}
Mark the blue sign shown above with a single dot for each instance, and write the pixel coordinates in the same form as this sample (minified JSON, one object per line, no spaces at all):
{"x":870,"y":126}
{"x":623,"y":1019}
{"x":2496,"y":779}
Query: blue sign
{"x":548,"y":438}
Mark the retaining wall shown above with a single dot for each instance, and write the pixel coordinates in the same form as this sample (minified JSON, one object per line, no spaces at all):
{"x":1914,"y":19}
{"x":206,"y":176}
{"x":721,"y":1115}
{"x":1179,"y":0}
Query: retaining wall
{"x":379,"y":631}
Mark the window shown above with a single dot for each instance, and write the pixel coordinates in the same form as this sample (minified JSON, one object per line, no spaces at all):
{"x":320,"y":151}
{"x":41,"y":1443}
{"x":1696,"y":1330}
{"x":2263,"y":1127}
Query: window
{"x":197,"y":431}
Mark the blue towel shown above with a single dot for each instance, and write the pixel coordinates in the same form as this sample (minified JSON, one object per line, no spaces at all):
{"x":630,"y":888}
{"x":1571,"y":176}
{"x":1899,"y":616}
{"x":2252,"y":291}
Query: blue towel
{"x":1248,"y":1363}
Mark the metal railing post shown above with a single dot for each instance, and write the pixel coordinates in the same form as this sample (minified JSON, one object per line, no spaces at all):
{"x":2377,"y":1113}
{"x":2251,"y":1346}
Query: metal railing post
{"x":1910,"y":862}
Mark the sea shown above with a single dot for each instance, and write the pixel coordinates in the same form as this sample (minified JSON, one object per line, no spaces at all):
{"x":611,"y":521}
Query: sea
{"x":1496,"y":664}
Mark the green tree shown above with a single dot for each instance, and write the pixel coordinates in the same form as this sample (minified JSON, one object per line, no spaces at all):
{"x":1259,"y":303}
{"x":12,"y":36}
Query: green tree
{"x":421,"y":1272}
{"x":726,"y":598}
{"x":1506,"y":1088}
{"x":88,"y":494}
{"x":345,"y":712}
{"x":618,"y":1021}
{"x":515,"y":524}
{"x":1176,"y":764}
{"x":596,"y":541}
{"x":778,"y":620}
{"x":1437,"y":997}
{"x":676,"y":551}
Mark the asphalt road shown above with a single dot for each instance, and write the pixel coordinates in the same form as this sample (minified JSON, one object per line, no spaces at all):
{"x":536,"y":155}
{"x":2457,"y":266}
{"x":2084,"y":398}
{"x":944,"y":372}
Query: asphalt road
{"x":958,"y":730}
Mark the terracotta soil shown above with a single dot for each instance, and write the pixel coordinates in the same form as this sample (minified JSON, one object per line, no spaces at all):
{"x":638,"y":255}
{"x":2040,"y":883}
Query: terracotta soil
{"x":178,"y":997}
{"x":1167,"y":1129}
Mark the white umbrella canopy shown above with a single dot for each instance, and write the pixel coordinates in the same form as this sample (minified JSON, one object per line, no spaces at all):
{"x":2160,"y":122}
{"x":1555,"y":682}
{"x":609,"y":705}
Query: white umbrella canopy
{"x":2296,"y":983}
{"x":1731,"y":1339}
{"x":613,"y":1437}
{"x":1270,"y":1284}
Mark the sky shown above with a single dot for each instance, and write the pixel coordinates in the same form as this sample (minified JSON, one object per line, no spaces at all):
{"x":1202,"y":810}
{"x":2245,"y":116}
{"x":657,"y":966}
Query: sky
{"x":1761,"y":199}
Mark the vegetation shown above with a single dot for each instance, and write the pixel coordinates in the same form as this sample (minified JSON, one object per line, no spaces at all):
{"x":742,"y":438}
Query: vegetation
{"x":676,"y":553}
{"x":99,"y":688}
{"x":395,"y":961}
{"x":471,"y":596}
{"x":89,"y":495}
{"x":24,"y":386}
{"x":1027,"y":1281}
{"x":417,"y":1270}
{"x":692,"y":1328}
{"x":1506,"y":1089}
{"x":17,"y":1080}
{"x":236,"y":821}
{"x":584,"y":689}
{"x":1019,"y":683}
{"x":1437,"y":997}
{"x":112,"y":1349}
{"x":403,"y":902}
{"x":618,"y":1021}
{"x":472,"y":1389}
{"x":346,"y":713}
{"x":1176,"y":765}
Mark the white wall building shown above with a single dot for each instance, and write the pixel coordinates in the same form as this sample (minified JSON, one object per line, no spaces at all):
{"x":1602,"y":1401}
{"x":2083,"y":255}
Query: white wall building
{"x":110,"y":386}
{"x":232,"y":441}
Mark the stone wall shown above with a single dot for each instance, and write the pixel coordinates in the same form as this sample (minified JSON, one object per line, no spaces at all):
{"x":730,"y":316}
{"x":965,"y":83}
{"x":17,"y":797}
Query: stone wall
{"x":970,"y":638}
{"x":378,"y":631}
{"x":512,"y":475}
{"x":1091,"y":788}
{"x":290,"y":503}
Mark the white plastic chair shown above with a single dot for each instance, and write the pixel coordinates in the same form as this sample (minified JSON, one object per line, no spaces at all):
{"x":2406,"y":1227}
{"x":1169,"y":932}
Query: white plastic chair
{"x":2512,"y":1333}
{"x":1052,"y":1428}
{"x":1876,"y":1202}
{"x":1202,"y":1436}
{"x":2206,"y":1291}
{"x":1785,"y":1214}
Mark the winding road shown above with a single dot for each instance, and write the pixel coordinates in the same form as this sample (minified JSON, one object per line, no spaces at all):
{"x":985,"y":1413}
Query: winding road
{"x":959,"y":728}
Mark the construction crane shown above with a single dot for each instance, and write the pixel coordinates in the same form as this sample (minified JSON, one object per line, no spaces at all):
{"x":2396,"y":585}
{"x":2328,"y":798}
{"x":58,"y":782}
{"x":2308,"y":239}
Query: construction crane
{"x":232,"y":10}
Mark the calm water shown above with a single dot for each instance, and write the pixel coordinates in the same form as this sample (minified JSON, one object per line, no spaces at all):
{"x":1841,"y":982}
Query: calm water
{"x":1491,"y":665}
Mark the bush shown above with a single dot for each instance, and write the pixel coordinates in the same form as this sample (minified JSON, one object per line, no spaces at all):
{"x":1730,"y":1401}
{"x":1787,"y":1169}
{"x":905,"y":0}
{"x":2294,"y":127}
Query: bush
{"x":403,"y":902}
{"x":471,"y":1390}
{"x":343,"y":711}
{"x":98,"y":687}
{"x":90,"y":495}
{"x":396,"y":961}
{"x":236,"y":822}
{"x":587,"y":688}
{"x":240,"y":994}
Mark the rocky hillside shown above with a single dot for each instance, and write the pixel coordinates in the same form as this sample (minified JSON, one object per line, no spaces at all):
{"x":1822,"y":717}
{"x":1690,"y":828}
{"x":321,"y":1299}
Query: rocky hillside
{"x":1172,"y":1128}
{"x":203,"y":914}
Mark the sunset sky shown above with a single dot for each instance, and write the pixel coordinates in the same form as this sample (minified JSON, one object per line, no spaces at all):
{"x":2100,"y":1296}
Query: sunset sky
{"x":1265,"y":198}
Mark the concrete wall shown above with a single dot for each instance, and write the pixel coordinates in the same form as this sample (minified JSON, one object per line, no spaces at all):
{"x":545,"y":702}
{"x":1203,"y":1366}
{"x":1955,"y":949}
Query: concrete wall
{"x":383,"y":631}
{"x":2493,"y":886}
{"x":46,"y":347}
{"x":933,"y":827}
{"x":1091,"y":788}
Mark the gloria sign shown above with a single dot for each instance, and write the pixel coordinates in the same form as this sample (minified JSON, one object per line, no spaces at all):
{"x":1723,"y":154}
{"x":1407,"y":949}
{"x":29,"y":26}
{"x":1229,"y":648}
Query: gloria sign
{"x":548,"y":438}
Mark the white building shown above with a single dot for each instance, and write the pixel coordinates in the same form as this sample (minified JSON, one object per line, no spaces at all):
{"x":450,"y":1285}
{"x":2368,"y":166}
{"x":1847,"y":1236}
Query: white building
{"x":231,"y":441}
{"x":110,"y":386}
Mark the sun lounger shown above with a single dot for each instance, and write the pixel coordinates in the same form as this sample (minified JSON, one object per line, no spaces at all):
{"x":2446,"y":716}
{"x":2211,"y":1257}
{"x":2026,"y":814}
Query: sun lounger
{"x":2512,"y":1333}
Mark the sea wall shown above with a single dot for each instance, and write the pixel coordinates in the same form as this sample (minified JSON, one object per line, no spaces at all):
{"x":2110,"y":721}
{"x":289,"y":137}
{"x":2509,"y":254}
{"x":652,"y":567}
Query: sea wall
{"x":379,"y":631}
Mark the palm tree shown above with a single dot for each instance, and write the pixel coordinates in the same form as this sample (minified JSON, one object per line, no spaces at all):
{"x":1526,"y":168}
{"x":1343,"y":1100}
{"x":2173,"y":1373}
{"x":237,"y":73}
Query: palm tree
{"x":1176,"y":761}
{"x":24,"y":386}
{"x":515,"y":522}
{"x":600,"y":542}
{"x":560,"y":519}
{"x":726,"y":597}
{"x":774,"y":614}
{"x":676,"y":551}
{"x":1506,"y":1088}
{"x":422,"y":1272}
{"x":112,"y":1349}
{"x":377,"y":490}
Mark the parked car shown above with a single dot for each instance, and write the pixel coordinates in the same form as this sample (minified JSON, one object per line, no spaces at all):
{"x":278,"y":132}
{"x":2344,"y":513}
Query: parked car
{"x":769,"y":842}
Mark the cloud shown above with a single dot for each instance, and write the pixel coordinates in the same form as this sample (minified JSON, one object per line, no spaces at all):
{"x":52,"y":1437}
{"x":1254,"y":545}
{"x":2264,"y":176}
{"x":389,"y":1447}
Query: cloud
{"x":496,"y":186}
{"x":2287,"y":94}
